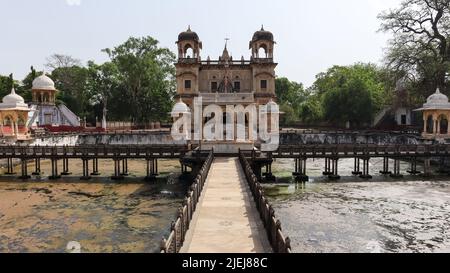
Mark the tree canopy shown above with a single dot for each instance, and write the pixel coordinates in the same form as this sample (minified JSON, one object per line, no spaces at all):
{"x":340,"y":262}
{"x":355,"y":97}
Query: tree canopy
{"x":346,"y":94}
{"x":137,"y":84}
{"x":420,"y":46}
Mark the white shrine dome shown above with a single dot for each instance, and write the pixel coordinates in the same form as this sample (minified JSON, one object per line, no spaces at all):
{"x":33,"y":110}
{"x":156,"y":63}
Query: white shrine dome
{"x":180,"y":108}
{"x":13,"y":101}
{"x":13,"y":98}
{"x":437,"y":101}
{"x":43,"y":82}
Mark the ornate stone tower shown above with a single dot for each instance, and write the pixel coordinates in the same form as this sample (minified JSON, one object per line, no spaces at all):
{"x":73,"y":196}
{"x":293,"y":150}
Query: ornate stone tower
{"x":188,"y":65}
{"x":263,"y":66}
{"x":262,"y":40}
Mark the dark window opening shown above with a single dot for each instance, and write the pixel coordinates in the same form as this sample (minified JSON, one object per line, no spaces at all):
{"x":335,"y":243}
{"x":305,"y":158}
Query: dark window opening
{"x":237,"y":86}
{"x":403,"y":119}
{"x":214,"y":87}
{"x":187,"y":84}
{"x":263,"y":84}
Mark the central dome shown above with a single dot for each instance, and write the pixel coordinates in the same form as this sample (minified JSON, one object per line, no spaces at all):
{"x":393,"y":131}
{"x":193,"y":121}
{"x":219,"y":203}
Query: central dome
{"x":43,"y":82}
{"x":437,"y":101}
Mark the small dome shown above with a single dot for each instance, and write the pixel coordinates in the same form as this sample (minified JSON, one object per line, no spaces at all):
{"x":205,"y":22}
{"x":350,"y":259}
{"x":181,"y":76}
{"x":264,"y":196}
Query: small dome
{"x":188,"y":35}
{"x":437,"y":101}
{"x":180,"y":108}
{"x":262,"y":35}
{"x":13,"y":98}
{"x":43,"y":82}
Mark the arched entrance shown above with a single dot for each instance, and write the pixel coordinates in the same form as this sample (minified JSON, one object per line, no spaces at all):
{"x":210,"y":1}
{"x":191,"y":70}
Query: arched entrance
{"x":430,"y":125}
{"x":443,"y":121}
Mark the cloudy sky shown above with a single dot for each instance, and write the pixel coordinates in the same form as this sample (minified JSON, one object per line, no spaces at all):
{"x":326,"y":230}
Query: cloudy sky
{"x":311,"y":35}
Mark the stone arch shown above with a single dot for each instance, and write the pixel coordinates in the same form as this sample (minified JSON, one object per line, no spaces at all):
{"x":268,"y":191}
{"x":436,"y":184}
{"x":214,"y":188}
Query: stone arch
{"x":46,"y":97}
{"x":263,"y":51}
{"x":188,"y":51}
{"x":443,"y":122}
{"x":8,"y":121}
{"x":21,"y":121}
{"x":430,"y":124}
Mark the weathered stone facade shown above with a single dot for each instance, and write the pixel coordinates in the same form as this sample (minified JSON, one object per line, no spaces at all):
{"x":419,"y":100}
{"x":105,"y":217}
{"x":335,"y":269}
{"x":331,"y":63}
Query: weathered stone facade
{"x":226,"y":81}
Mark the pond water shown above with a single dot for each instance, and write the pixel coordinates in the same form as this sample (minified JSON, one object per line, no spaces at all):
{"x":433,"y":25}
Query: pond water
{"x":353,"y":215}
{"x":101,"y":215}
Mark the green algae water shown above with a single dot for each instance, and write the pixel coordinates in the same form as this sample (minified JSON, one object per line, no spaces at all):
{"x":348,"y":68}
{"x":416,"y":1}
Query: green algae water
{"x":101,"y":215}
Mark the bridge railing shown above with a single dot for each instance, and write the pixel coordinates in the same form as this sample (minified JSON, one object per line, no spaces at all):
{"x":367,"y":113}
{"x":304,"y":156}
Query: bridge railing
{"x":279,"y":243}
{"x":92,"y":150}
{"x":421,"y":150}
{"x":180,"y":227}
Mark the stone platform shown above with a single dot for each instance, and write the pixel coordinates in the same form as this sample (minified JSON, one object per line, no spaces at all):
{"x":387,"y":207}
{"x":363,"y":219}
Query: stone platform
{"x":227,"y":147}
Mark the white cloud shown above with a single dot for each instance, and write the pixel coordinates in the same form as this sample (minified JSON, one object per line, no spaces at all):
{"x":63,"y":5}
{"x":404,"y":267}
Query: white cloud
{"x":73,"y":2}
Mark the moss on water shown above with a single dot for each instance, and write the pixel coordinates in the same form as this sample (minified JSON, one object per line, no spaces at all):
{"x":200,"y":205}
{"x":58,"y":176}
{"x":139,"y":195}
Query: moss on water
{"x":104,"y":216}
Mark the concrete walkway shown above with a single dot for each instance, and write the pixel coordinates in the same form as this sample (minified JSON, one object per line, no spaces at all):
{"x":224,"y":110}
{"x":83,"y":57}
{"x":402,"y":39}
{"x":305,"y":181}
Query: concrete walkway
{"x":226,"y":220}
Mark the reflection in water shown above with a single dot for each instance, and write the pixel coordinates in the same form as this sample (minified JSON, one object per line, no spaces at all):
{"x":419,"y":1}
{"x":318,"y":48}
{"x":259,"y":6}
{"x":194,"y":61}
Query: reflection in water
{"x":101,"y":215}
{"x":353,"y":215}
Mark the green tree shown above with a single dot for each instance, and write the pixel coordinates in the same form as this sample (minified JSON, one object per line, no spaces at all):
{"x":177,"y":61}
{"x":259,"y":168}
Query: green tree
{"x":27,"y":83}
{"x":148,"y":77}
{"x":421,"y":43}
{"x":5,"y":86}
{"x":350,"y":94}
{"x":72,"y":84}
{"x":310,"y":111}
{"x":290,"y":95}
{"x":104,"y":88}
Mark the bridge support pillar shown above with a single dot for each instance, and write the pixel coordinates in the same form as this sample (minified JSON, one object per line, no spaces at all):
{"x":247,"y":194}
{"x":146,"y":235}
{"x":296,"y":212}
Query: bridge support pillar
{"x":334,"y":169}
{"x":427,"y":167}
{"x":396,"y":173}
{"x":66,"y":167}
{"x":37,"y":166}
{"x":413,"y":169}
{"x":95,"y":171}
{"x":268,"y":174}
{"x":327,"y":167}
{"x":300,"y":170}
{"x":152,"y":169}
{"x":385,"y":170}
{"x":24,"y":165}
{"x":442,"y":168}
{"x":85,"y":170}
{"x":55,"y":175}
{"x":10,"y":167}
{"x":365,"y":174}
{"x":117,"y":175}
{"x":184,"y":169}
{"x":124,"y":167}
{"x":357,"y":167}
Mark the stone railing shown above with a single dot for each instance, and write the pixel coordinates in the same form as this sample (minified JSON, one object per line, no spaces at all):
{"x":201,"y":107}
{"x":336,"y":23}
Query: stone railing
{"x":180,"y":227}
{"x":227,"y":98}
{"x":279,"y":243}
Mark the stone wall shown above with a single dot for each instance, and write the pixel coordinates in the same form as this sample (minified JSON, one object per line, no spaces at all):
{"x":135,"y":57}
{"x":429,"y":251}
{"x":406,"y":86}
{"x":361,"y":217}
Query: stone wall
{"x":349,"y":138}
{"x":110,"y":139}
